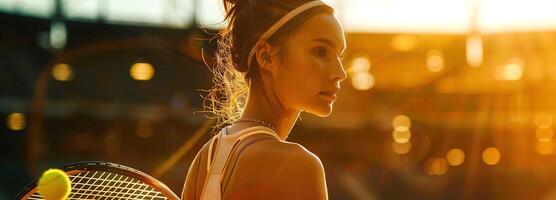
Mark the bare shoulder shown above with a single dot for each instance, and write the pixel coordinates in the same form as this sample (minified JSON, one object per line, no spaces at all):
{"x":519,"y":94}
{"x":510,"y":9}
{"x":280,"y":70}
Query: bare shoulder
{"x":282,"y":149}
{"x":276,"y":153}
{"x":284,"y":169}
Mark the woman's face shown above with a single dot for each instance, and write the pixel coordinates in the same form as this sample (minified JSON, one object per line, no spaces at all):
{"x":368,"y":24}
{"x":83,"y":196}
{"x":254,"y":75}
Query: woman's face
{"x":308,"y":76}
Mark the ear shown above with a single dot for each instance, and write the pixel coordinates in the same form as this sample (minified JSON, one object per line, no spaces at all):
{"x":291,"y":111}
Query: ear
{"x":264,"y":56}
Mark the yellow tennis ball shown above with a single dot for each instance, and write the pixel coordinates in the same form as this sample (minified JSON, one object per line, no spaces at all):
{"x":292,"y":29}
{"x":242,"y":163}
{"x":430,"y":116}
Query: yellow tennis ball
{"x":54,"y":184}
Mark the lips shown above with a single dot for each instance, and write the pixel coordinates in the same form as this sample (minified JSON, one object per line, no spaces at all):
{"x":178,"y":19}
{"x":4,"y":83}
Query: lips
{"x":331,"y":94}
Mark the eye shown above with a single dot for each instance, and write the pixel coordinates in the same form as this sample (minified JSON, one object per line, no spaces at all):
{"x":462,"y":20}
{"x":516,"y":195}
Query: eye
{"x":320,"y":51}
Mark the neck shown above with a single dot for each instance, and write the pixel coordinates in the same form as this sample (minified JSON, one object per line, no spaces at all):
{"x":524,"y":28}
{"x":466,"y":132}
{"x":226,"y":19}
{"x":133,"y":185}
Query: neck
{"x":270,"y":110}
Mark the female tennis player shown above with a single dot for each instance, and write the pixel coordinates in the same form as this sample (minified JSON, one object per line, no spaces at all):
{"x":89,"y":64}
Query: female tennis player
{"x":276,"y":59}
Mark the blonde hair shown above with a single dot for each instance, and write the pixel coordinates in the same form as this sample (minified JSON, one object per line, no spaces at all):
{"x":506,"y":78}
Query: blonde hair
{"x":228,"y":97}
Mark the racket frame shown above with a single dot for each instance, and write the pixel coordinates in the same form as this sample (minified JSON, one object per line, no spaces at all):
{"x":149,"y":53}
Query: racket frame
{"x":103,"y":166}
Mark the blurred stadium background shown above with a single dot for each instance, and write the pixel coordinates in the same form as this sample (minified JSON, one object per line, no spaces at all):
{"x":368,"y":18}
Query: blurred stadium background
{"x":445,"y":99}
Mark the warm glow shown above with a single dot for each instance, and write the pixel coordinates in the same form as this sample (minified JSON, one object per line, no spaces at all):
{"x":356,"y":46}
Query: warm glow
{"x":142,"y":71}
{"x":403,"y":43}
{"x":401,"y":132}
{"x":543,"y":120}
{"x":446,"y":16}
{"x":363,"y":80}
{"x":405,"y":16}
{"x":401,"y":148}
{"x":453,"y":16}
{"x":360,"y":64}
{"x":401,"y":123}
{"x":505,"y":15}
{"x":145,"y":128}
{"x":545,"y":147}
{"x":437,"y":166}
{"x":552,"y":72}
{"x":474,"y":50}
{"x":62,"y":72}
{"x":422,"y":16}
{"x":544,"y":134}
{"x":16,"y":121}
{"x":401,"y":136}
{"x":491,"y":156}
{"x":455,"y":157}
{"x":435,"y":61}
{"x":512,"y":71}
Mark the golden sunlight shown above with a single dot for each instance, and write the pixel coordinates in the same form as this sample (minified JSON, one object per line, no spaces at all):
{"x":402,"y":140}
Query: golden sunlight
{"x":449,"y":16}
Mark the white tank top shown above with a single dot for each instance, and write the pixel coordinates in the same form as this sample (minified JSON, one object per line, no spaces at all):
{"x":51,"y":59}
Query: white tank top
{"x":217,"y":167}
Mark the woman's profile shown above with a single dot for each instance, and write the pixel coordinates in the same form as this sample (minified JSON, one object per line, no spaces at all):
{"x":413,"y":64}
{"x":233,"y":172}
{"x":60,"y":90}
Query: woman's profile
{"x":275,"y":59}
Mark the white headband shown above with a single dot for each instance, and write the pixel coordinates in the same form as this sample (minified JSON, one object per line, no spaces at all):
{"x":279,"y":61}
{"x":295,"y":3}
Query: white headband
{"x":280,"y":23}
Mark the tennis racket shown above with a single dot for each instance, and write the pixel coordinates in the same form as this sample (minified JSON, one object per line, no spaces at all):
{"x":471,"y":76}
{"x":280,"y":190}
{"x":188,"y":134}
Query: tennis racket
{"x":104,"y":180}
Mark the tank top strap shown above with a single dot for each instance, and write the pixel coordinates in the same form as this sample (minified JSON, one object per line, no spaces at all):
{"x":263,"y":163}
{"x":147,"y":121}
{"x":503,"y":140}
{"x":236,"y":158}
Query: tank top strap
{"x":224,"y":147}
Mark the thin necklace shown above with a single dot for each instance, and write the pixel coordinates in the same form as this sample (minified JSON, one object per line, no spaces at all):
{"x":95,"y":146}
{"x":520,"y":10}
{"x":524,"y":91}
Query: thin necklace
{"x":264,"y":123}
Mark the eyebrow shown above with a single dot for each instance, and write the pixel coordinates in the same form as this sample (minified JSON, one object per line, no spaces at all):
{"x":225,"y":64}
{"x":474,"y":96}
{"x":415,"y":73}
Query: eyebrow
{"x":329,"y":43}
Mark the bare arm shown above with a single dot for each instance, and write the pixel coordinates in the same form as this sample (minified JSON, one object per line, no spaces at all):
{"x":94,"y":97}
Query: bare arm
{"x":304,"y":178}
{"x":188,"y":191}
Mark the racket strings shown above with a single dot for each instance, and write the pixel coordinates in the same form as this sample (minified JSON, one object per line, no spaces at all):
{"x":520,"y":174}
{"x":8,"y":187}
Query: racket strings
{"x":107,"y":185}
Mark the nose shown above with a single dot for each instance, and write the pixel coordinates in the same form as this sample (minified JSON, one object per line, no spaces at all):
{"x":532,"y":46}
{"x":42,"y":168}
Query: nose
{"x":338,"y":73}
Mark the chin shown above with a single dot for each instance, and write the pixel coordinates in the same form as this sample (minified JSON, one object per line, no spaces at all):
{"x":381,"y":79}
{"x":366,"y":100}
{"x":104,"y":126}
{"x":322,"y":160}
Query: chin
{"x":321,"y":110}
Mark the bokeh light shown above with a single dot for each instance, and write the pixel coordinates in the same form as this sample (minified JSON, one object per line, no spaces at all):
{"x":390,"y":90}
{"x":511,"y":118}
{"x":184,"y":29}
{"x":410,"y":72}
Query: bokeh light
{"x":544,"y":133}
{"x":360,"y":64}
{"x":512,"y":71}
{"x":403,"y":43}
{"x":544,"y":147}
{"x":142,"y":71}
{"x":543,"y":119}
{"x":62,"y":72}
{"x":436,"y":166}
{"x":401,"y":122}
{"x":435,"y":61}
{"x":455,"y":157}
{"x":401,"y":136}
{"x":474,"y":50}
{"x":363,"y":80}
{"x":58,"y":35}
{"x":491,"y":156}
{"x":401,"y":148}
{"x":16,"y":121}
{"x":401,"y":132}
